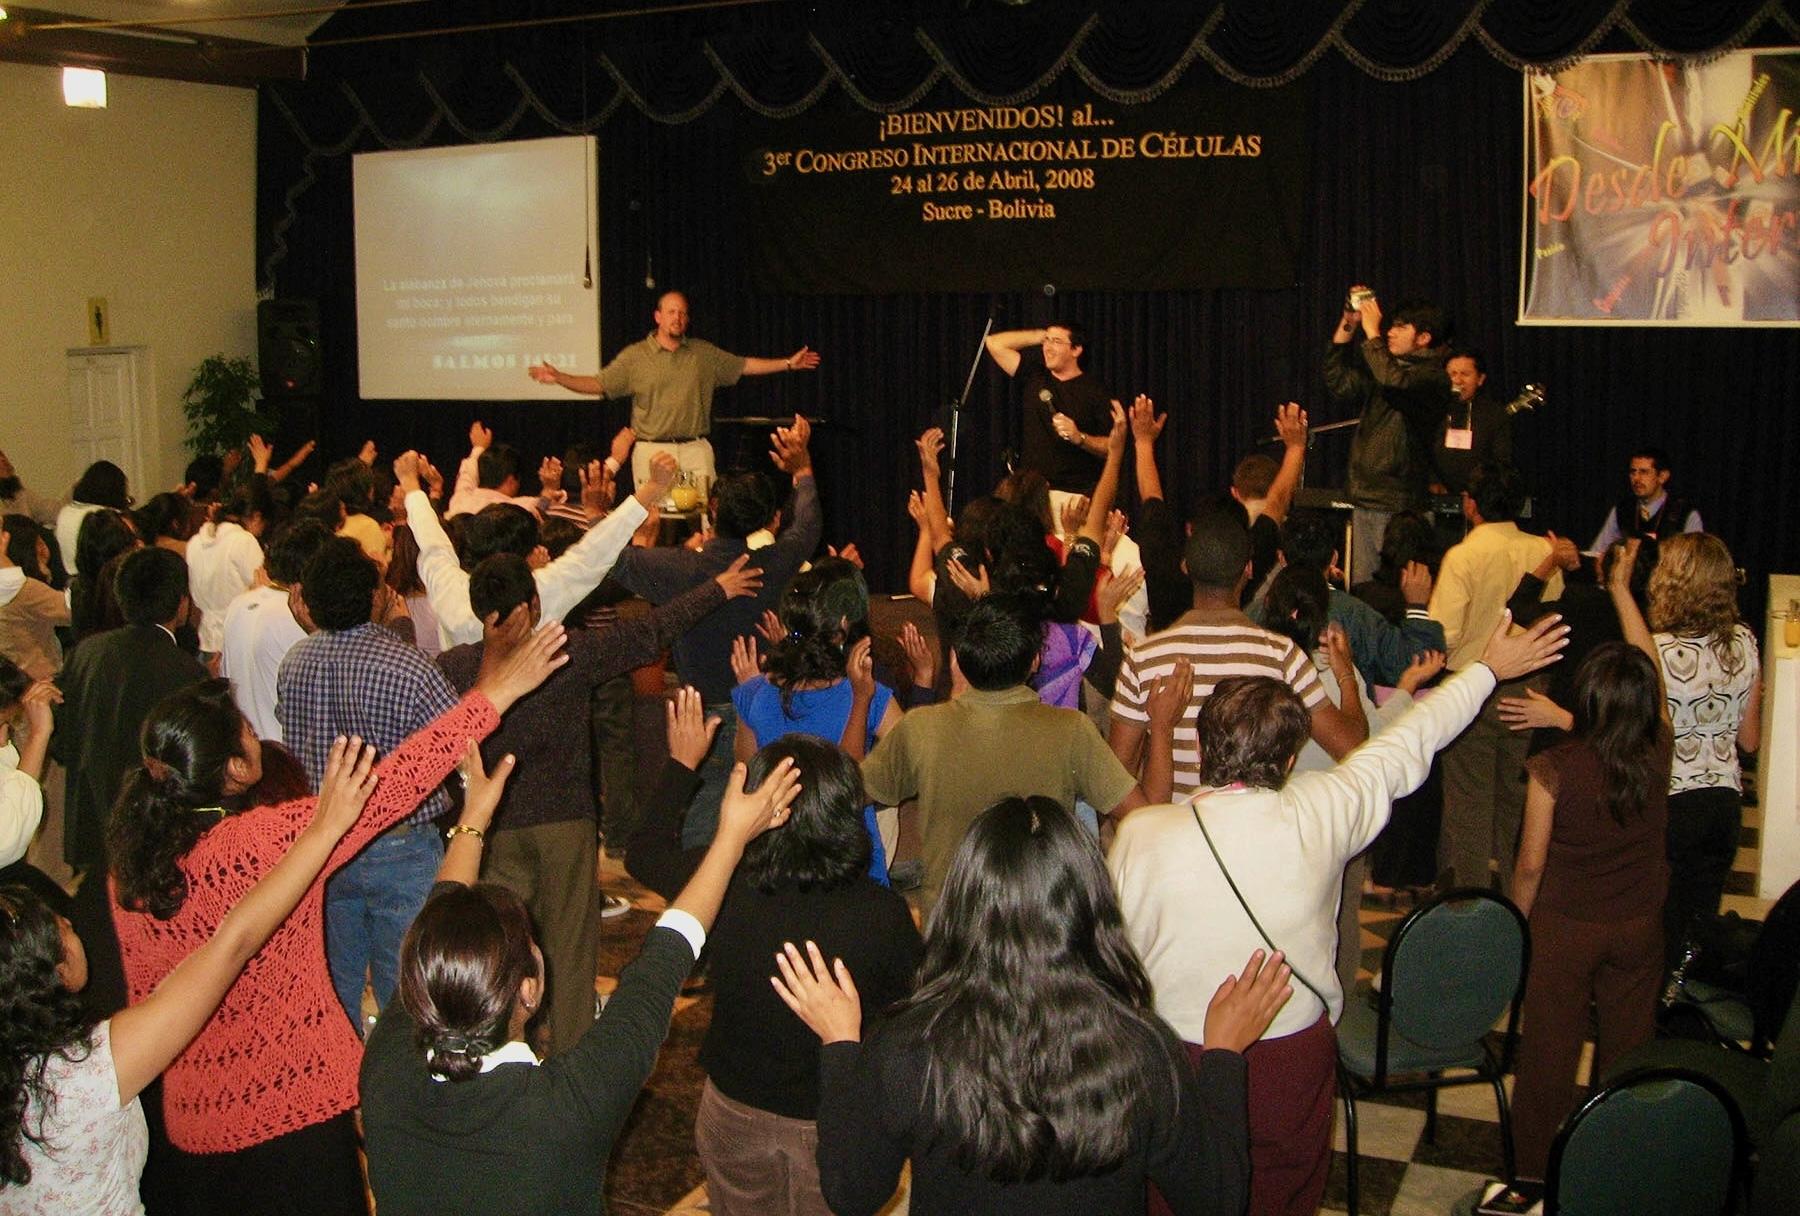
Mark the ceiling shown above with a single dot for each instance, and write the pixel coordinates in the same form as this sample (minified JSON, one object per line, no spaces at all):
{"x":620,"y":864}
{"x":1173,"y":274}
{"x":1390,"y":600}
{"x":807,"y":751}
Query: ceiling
{"x":237,"y":42}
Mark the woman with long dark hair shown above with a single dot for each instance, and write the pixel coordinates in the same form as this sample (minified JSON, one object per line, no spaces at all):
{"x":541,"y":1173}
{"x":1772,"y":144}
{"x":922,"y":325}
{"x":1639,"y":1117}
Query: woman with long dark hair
{"x":402,"y":574}
{"x":104,"y":536}
{"x":72,"y":1134}
{"x":459,"y":1114}
{"x":806,"y":879}
{"x":262,"y":1103}
{"x":1590,"y":875}
{"x":1712,"y":689}
{"x":1028,"y":1072}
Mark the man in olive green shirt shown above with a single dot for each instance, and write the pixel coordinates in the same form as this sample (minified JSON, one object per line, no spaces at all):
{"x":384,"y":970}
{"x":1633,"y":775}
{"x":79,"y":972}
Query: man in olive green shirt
{"x":994,"y":741}
{"x":671,"y":379}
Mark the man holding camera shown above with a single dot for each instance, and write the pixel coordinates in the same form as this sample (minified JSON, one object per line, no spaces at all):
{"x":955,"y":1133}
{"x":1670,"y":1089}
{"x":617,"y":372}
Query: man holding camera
{"x":1396,"y":377}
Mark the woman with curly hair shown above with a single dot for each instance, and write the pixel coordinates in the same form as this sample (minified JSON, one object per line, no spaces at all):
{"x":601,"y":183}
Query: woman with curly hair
{"x":1712,"y":689}
{"x":1028,"y":1072}
{"x":261,"y":1104}
{"x":72,"y":1133}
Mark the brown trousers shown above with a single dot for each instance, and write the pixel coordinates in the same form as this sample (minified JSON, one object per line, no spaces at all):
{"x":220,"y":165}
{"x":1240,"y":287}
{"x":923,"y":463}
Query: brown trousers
{"x":1615,"y":966}
{"x":551,"y":867}
{"x":1484,"y":795}
{"x":757,"y":1163}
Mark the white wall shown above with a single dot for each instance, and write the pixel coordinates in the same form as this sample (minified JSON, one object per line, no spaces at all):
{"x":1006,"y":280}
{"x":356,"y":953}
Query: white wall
{"x":150,"y":203}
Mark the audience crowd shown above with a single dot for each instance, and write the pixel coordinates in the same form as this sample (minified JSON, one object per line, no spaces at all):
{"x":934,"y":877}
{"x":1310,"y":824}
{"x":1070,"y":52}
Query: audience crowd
{"x":304,"y":784}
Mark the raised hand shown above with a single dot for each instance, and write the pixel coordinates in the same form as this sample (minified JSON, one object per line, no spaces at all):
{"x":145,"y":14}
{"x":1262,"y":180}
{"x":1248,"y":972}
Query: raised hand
{"x":920,"y":656}
{"x":480,"y":435}
{"x":740,"y":578}
{"x":973,"y":585}
{"x":1245,"y":1004}
{"x":1415,"y":584}
{"x":1423,"y":668}
{"x":859,"y":666}
{"x":770,"y":626}
{"x":1169,"y":696}
{"x":823,"y":997}
{"x":345,"y":789}
{"x":596,"y":488}
{"x":1110,"y":538}
{"x":406,"y":471}
{"x":1121,"y":429}
{"x":39,"y":702}
{"x":1624,"y":562}
{"x":746,"y":665}
{"x":915,"y":507}
{"x":746,"y":814}
{"x":1337,"y":653}
{"x":663,"y":471}
{"x":788,"y":447}
{"x":1146,"y":423}
{"x":368,"y":452}
{"x":1074,"y":514}
{"x":1116,"y":591}
{"x":849,"y":553}
{"x":930,"y":444}
{"x":261,"y":453}
{"x":1534,"y":710}
{"x":514,"y":659}
{"x":482,"y":789}
{"x":690,"y":729}
{"x":622,"y":444}
{"x":550,"y":473}
{"x":1511,"y":655}
{"x":1370,"y":312}
{"x":1290,"y":424}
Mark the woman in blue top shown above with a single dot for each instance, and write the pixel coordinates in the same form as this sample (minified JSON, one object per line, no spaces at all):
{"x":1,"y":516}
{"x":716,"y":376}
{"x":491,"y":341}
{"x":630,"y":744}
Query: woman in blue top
{"x":819,"y":678}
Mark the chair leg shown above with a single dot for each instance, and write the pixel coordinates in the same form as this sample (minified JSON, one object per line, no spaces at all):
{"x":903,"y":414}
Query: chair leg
{"x":1506,"y":1132}
{"x":1431,"y":1112}
{"x":1350,"y":1172}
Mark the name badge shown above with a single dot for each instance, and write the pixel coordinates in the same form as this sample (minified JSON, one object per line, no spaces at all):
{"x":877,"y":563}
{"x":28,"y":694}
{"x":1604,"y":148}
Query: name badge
{"x":1461,"y":438}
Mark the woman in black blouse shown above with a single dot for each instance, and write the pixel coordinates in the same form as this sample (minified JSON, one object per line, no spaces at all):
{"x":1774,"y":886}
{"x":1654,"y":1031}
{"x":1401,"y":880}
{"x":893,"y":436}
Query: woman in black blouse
{"x":458,"y":1115}
{"x":1028,"y":1072}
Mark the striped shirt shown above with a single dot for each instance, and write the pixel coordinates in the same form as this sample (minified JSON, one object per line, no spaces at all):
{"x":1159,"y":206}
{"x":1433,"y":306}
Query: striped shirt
{"x":1231,"y":645}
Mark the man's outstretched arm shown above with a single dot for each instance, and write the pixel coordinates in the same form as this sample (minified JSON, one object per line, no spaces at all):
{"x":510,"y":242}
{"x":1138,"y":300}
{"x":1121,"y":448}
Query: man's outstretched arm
{"x":802,"y":360}
{"x":544,"y":373}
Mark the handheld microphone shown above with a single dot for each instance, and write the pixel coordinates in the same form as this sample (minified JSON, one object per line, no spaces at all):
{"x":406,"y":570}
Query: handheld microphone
{"x":1045,"y":396}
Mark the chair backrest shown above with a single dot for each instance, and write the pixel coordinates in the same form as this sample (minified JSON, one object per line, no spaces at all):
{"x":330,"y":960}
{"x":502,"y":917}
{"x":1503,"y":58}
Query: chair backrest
{"x":1452,"y":968}
{"x":1661,"y":1140}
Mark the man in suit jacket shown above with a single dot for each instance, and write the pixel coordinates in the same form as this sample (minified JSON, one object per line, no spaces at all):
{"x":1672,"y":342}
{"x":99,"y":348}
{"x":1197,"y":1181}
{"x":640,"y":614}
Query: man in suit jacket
{"x":109,"y":686}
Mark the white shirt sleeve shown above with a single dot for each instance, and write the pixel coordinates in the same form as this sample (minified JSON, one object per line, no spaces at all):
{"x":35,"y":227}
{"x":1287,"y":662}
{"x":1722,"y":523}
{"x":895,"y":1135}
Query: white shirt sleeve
{"x":21,"y":807}
{"x":566,"y":581}
{"x":684,"y":924}
{"x":446,"y":582}
{"x":1359,"y":793}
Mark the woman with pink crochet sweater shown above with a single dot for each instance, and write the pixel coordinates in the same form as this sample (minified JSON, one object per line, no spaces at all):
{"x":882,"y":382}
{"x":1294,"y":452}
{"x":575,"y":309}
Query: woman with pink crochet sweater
{"x":261,"y":1104}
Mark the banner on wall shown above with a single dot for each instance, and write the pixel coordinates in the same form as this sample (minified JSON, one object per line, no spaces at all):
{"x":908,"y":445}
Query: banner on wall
{"x":1200,"y":187}
{"x":1661,"y":193}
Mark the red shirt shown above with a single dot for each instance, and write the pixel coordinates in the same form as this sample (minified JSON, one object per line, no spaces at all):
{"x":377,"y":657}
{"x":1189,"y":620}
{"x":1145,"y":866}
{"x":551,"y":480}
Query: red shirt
{"x":279,"y":1054}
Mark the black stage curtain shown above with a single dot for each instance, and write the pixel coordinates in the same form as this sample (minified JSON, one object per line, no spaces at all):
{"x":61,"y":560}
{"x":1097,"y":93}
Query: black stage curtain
{"x":1415,"y":189}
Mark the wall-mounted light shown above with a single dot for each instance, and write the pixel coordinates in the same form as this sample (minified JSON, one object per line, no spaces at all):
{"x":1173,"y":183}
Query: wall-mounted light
{"x":84,"y":87}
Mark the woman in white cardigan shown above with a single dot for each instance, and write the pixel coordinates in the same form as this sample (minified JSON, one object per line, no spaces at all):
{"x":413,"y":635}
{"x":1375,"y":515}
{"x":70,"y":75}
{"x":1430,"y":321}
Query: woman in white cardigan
{"x":1284,"y":843}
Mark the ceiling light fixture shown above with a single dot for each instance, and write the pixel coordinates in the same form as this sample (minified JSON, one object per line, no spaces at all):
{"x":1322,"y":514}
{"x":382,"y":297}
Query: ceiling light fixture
{"x":84,"y":88}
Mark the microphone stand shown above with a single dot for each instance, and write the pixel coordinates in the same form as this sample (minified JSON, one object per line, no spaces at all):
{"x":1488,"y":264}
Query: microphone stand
{"x":956,"y":408}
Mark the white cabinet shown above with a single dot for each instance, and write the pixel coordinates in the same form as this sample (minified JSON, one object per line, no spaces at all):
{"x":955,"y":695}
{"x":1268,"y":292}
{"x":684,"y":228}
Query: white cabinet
{"x":112,"y":411}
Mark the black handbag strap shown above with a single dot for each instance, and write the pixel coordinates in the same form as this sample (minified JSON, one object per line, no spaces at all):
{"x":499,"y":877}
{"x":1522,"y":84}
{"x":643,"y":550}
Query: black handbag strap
{"x":1245,"y":905}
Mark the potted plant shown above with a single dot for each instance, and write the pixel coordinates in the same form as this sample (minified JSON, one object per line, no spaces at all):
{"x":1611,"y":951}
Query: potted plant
{"x":222,"y":406}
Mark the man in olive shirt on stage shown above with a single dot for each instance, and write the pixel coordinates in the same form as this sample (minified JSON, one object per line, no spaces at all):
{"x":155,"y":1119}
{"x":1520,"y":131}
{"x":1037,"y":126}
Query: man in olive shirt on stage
{"x":671,"y":379}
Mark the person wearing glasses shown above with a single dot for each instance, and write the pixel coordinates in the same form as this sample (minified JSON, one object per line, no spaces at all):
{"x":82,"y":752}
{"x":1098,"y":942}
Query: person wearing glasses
{"x":1067,"y":411}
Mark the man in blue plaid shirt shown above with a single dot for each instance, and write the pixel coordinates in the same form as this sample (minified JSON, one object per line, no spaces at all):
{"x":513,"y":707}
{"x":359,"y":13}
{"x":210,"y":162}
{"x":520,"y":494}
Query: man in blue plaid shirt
{"x":353,"y":675}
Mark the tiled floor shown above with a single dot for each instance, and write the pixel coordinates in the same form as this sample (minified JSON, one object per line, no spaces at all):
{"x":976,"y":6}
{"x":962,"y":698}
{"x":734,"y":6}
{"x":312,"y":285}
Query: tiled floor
{"x":654,"y":1171}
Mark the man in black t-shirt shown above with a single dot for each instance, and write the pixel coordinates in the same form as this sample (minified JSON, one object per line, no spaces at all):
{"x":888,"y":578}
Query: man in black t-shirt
{"x":1067,"y":413}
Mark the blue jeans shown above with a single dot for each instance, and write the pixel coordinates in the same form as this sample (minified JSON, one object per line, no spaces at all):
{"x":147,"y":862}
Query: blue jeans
{"x":715,"y":775}
{"x":369,"y":905}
